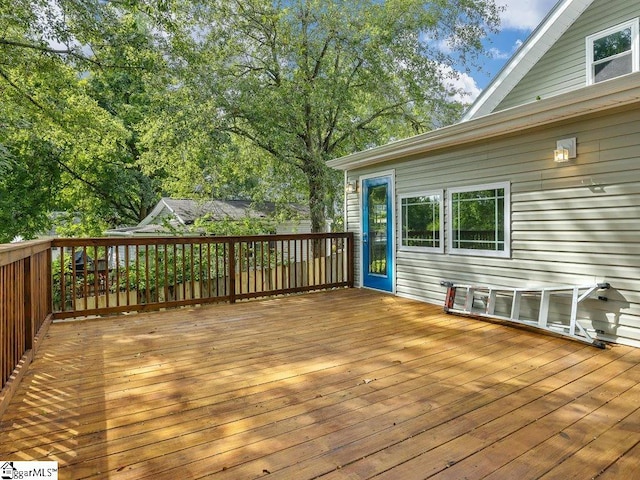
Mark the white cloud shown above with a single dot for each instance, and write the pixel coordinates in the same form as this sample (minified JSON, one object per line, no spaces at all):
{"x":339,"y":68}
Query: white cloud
{"x":464,"y":83}
{"x":524,"y":15}
{"x":497,"y":54}
{"x":444,"y":46}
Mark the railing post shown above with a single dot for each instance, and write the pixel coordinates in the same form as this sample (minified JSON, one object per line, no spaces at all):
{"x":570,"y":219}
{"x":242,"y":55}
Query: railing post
{"x":232,"y":270}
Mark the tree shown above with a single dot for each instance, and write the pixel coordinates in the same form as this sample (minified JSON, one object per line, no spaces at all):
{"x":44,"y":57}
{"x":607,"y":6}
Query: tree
{"x":23,"y":184}
{"x":131,"y":93}
{"x":76,"y":80}
{"x":310,"y":80}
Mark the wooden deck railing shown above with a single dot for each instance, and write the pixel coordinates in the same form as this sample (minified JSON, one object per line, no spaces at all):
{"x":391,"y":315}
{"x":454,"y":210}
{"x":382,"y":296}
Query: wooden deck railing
{"x":109,"y":275}
{"x":62,"y":278}
{"x":25,"y":308}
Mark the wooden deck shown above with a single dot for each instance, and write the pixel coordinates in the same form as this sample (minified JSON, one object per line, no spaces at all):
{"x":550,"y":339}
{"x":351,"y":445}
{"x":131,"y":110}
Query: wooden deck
{"x":347,"y":384}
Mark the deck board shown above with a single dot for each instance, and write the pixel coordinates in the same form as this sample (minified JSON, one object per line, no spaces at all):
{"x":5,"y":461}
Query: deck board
{"x":347,"y":384}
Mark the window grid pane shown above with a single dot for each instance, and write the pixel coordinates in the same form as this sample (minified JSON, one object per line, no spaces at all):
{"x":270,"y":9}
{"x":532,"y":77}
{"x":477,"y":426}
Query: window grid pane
{"x":421,"y":221}
{"x":478,"y":220}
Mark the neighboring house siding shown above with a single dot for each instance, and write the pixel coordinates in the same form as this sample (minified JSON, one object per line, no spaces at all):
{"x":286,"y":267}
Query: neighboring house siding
{"x":294,"y":226}
{"x":563,"y":67}
{"x":575,"y":223}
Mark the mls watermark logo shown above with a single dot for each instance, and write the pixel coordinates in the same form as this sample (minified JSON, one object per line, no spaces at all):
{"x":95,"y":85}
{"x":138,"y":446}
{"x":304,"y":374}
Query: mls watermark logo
{"x":28,"y":470}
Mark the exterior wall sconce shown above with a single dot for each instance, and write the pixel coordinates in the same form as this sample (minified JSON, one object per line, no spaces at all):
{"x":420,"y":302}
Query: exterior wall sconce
{"x":565,"y":150}
{"x":351,"y":187}
{"x":561,"y":155}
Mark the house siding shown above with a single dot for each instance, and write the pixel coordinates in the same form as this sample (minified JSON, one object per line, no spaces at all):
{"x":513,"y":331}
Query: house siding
{"x":563,"y":67}
{"x":574,"y":223}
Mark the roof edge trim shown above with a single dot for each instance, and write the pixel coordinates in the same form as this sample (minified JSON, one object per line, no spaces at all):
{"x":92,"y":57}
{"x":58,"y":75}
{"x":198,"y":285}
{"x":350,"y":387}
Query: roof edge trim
{"x":552,"y":27}
{"x":595,"y":98}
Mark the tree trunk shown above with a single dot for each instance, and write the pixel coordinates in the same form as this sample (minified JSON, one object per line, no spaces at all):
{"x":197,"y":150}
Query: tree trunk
{"x":317,"y":195}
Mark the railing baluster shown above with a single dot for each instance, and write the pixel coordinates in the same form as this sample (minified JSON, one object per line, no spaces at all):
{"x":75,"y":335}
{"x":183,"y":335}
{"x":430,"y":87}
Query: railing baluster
{"x":175,"y":271}
{"x":209,"y":274}
{"x":183,"y":276}
{"x":156,"y":275}
{"x":218,"y":271}
{"x":63,"y":281}
{"x":146,"y":276}
{"x":127,"y":283}
{"x":294,"y":263}
{"x":165,"y":261}
{"x":192,"y":272}
{"x":96,"y":285}
{"x":106,"y":276}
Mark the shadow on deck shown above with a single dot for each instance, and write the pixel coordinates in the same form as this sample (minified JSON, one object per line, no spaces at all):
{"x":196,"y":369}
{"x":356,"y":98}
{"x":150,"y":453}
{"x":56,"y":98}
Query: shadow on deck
{"x":332,"y":385}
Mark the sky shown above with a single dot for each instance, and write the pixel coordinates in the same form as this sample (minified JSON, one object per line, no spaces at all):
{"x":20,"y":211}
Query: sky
{"x":517,"y":22}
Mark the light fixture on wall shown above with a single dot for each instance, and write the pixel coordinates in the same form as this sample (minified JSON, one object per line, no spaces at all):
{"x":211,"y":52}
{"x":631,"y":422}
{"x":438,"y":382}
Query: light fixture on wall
{"x":351,"y":187}
{"x":565,"y":150}
{"x":561,"y":155}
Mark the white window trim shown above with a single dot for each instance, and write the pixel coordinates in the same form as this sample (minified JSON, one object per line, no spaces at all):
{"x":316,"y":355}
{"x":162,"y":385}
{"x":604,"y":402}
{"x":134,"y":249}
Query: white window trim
{"x":408,"y":248}
{"x":635,"y":46}
{"x":506,"y":253}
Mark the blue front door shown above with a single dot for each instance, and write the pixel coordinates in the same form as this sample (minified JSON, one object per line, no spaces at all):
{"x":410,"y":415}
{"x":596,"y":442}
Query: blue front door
{"x":377,"y":233}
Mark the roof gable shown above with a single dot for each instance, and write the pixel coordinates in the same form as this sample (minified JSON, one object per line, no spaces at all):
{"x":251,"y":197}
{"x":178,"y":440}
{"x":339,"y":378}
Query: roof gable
{"x":553,"y":26}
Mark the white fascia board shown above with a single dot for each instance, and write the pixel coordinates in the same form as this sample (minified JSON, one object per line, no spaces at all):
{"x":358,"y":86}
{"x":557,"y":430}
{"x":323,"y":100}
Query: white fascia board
{"x":153,"y":214}
{"x":557,"y":21}
{"x":602,"y":96}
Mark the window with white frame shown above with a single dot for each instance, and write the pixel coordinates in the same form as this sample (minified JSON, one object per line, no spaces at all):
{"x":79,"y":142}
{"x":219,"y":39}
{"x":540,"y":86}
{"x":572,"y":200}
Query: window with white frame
{"x":479,"y":220}
{"x":421,"y":216}
{"x":613,"y":52}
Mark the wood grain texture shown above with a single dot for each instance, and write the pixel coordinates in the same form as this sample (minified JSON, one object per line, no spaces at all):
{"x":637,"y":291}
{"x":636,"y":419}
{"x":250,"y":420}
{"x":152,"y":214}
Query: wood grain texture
{"x":345,"y":384}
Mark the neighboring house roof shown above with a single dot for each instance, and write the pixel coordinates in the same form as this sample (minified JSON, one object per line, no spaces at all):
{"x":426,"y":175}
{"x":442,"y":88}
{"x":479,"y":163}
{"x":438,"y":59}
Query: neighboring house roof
{"x":556,"y":23}
{"x":172,"y":214}
{"x":619,"y":92}
{"x":151,"y":229}
{"x":186,"y":211}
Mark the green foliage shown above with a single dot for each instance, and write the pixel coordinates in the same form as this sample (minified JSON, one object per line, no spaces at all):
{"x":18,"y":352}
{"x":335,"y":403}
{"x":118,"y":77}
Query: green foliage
{"x":155,"y":272}
{"x":614,"y":44}
{"x":71,"y":82}
{"x":25,"y":183}
{"x":478,"y":218}
{"x":309,"y":80}
{"x":421,"y":220}
{"x":107,"y":106}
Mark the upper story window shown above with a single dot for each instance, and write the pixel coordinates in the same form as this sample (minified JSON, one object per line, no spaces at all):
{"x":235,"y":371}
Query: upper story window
{"x":613,"y":52}
{"x":422,"y":221}
{"x":480,"y":220}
